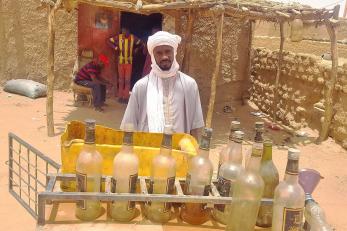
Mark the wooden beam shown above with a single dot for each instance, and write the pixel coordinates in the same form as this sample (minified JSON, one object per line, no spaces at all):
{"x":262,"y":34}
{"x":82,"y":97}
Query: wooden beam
{"x":50,"y":67}
{"x":330,"y":85}
{"x":219,"y":42}
{"x":246,"y":80}
{"x":188,"y":41}
{"x":50,"y":71}
{"x":278,"y":73}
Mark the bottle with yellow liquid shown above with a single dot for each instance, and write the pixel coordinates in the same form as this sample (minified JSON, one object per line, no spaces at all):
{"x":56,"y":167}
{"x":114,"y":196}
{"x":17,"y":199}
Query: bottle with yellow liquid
{"x":162,"y":180}
{"x":228,"y":174}
{"x":247,"y":193}
{"x":269,"y":173}
{"x":125,"y":173}
{"x":88,"y":175}
{"x":198,"y":182}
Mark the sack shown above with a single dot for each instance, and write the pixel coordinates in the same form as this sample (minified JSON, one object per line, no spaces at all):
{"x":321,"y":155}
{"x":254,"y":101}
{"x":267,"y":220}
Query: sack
{"x":26,"y":87}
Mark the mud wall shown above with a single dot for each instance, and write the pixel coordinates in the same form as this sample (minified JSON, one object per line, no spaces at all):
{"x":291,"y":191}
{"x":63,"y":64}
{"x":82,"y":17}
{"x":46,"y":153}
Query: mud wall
{"x":315,"y":38}
{"x":23,"y":39}
{"x":301,"y":90}
{"x":234,"y":63}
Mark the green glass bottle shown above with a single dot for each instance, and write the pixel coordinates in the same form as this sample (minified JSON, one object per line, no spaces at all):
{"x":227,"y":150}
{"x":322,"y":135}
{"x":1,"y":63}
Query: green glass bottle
{"x":269,"y":173}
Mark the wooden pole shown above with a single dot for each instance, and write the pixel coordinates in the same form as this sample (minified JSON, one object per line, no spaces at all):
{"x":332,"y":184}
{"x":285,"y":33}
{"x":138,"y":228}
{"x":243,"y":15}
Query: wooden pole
{"x":278,"y":73}
{"x":330,"y":85}
{"x":249,"y":65}
{"x":219,"y":41}
{"x":188,"y":41}
{"x":50,"y":67}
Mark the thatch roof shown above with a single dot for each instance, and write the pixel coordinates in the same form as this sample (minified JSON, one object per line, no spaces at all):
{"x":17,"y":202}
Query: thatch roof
{"x":248,"y":9}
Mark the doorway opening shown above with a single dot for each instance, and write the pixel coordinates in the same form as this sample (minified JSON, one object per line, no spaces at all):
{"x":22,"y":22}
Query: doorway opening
{"x":141,"y":26}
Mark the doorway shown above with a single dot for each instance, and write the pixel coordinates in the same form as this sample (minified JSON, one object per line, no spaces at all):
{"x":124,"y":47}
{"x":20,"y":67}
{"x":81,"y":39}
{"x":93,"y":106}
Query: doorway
{"x":141,"y":26}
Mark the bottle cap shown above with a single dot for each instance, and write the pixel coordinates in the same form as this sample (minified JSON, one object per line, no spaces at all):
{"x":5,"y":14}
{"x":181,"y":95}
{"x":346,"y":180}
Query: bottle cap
{"x":90,"y":123}
{"x":235,"y":125}
{"x":129,"y":127}
{"x":168,"y":129}
{"x":267,"y":143}
{"x":259,"y":125}
{"x":207,"y":132}
{"x":238,"y":135}
{"x":293,"y":154}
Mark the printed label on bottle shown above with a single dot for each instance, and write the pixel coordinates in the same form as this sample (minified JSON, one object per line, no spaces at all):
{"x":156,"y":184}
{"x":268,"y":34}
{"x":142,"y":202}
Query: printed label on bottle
{"x":207,"y":190}
{"x":150,"y":190}
{"x":170,"y":188}
{"x":132,"y":189}
{"x":219,"y":164}
{"x":187,"y":184}
{"x":113,"y":185}
{"x":224,"y":187}
{"x":81,"y":187}
{"x":292,"y":219}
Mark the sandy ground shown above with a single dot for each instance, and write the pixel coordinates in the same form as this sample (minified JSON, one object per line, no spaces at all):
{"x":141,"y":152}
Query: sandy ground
{"x":26,"y":118}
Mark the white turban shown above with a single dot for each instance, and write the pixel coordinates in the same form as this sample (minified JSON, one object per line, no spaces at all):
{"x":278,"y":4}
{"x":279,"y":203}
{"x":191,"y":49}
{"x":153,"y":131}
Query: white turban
{"x":163,"y":38}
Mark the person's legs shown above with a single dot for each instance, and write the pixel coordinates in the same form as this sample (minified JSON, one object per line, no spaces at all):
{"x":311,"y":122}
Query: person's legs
{"x":103,"y":93}
{"x":96,"y":91}
{"x":128,"y":69}
{"x":121,"y":80}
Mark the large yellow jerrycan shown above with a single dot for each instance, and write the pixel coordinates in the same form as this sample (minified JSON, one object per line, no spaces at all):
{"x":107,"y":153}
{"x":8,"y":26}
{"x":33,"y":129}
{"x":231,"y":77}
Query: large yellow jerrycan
{"x":108,"y":143}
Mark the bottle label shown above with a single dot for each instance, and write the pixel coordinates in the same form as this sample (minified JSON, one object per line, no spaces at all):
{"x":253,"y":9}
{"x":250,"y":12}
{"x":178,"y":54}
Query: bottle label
{"x":187,"y":185}
{"x":219,"y":164}
{"x":292,"y":219}
{"x":132,"y":189}
{"x":81,"y":186}
{"x":113,"y":185}
{"x":170,"y":188}
{"x":207,"y":190}
{"x":224,"y":188}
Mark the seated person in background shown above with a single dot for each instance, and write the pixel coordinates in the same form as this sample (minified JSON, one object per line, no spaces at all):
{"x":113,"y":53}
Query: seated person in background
{"x":89,"y":76}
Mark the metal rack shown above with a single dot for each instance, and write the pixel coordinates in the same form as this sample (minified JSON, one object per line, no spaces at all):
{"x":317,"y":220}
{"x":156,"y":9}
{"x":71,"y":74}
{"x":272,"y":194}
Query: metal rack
{"x":33,"y":179}
{"x":28,"y":172}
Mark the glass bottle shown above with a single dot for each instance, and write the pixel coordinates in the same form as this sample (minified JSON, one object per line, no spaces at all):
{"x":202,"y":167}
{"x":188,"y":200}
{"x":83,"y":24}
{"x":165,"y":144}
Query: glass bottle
{"x":259,"y":130}
{"x":224,"y":154}
{"x":88,"y":175}
{"x":315,"y":215}
{"x":162,"y":180}
{"x":228,"y":174}
{"x":269,"y":173}
{"x":198,"y":182}
{"x":125,"y":173}
{"x":289,"y":200}
{"x":248,"y":191}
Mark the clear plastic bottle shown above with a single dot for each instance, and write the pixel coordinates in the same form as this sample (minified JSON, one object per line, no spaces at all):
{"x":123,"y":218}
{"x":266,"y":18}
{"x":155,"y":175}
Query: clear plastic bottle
{"x":315,"y":215}
{"x":269,"y":173}
{"x":125,"y":173}
{"x":248,"y":191}
{"x":229,"y":171}
{"x":224,"y":154}
{"x":198,"y":182}
{"x":88,"y":175}
{"x":289,"y":200}
{"x":163,"y":174}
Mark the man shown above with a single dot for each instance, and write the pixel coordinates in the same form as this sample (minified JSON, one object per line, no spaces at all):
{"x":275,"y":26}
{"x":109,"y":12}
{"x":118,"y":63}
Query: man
{"x":166,"y":95}
{"x":89,"y":76}
{"x":125,"y":44}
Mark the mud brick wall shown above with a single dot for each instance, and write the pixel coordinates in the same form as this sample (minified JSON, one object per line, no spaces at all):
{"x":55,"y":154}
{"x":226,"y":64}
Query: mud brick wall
{"x":301,"y":90}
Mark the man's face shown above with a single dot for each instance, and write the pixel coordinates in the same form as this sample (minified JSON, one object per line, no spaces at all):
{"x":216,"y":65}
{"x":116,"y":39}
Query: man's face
{"x":164,"y":56}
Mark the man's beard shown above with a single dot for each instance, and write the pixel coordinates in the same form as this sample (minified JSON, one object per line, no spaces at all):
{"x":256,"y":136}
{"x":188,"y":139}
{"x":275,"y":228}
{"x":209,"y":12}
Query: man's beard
{"x":164,"y":67}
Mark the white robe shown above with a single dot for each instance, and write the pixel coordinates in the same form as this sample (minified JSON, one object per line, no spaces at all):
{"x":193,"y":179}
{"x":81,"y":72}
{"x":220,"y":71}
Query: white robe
{"x":136,"y":111}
